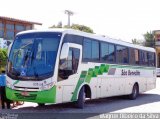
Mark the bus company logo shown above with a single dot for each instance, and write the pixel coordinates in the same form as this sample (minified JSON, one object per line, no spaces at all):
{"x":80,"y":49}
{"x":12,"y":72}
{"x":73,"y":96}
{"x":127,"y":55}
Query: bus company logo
{"x":130,"y":73}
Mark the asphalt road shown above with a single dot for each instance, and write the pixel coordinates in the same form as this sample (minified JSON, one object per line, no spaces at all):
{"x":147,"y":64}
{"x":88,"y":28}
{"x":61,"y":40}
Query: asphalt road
{"x":148,"y":102}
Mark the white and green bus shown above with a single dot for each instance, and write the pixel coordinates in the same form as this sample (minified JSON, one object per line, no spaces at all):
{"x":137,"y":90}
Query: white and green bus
{"x":63,"y":65}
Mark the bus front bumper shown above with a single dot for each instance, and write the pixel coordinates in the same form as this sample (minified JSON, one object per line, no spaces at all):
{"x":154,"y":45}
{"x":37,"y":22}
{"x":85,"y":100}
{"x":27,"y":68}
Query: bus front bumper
{"x":47,"y":96}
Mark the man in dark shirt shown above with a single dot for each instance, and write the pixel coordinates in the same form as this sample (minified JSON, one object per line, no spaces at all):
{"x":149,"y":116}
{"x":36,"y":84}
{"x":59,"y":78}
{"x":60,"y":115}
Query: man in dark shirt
{"x":3,"y":91}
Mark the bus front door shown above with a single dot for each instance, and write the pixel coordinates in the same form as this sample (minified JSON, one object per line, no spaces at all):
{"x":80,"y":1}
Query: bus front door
{"x":68,"y":73}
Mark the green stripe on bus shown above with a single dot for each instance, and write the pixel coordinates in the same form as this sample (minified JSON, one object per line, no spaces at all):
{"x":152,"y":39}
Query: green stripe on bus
{"x":15,"y":82}
{"x":80,"y":82}
{"x":86,"y":76}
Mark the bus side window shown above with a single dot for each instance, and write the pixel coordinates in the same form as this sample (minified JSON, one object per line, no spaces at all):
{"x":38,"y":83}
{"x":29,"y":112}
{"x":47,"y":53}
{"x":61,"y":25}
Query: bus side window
{"x":69,"y":66}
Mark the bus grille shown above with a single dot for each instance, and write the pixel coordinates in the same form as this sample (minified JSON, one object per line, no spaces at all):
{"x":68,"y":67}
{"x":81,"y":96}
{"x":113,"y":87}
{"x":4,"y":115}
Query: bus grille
{"x":30,"y":97}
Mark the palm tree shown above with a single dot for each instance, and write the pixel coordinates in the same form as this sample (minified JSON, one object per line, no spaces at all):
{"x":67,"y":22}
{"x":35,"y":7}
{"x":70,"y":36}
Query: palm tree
{"x":149,"y":40}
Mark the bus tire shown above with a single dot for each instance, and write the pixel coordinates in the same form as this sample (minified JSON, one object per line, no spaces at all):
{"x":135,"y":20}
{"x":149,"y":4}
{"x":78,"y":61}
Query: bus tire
{"x":135,"y":92}
{"x":41,"y":104}
{"x":81,"y":98}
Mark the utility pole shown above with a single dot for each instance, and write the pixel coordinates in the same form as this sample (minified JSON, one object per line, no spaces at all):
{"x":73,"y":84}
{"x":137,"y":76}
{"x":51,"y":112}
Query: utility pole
{"x":69,"y":13}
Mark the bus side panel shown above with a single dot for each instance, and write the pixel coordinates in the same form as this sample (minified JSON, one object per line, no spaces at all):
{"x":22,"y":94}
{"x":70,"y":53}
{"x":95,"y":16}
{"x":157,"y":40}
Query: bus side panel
{"x":66,"y":88}
{"x":146,"y":81}
{"x":130,"y":83}
{"x":93,"y":86}
{"x":151,"y":81}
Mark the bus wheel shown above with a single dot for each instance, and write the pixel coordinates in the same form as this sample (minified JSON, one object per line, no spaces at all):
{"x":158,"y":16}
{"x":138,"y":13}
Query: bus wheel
{"x":135,"y":92}
{"x":81,"y":98}
{"x":41,"y":104}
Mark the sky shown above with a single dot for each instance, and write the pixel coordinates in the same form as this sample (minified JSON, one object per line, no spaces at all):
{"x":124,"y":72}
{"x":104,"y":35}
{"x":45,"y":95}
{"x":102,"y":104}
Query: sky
{"x":120,"y":19}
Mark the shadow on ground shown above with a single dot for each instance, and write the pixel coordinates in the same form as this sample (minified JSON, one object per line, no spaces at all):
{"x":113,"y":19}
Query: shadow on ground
{"x":92,"y":108}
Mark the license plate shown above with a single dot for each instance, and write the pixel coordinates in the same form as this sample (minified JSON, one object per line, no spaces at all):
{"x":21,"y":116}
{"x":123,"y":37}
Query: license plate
{"x":25,"y":93}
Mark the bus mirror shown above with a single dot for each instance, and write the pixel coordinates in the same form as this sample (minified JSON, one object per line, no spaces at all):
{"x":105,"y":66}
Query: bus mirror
{"x":64,"y":51}
{"x":9,"y":48}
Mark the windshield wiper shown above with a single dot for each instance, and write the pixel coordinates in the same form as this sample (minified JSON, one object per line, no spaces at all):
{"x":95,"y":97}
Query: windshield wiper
{"x":35,"y":73}
{"x":32,"y":57}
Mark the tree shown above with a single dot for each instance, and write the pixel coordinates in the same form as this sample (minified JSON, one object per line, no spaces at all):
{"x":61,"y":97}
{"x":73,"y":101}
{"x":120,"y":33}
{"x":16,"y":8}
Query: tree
{"x":76,"y":27}
{"x":59,"y":25}
{"x":149,"y":39}
{"x":81,"y":28}
{"x":135,"y":41}
{"x":3,"y":59}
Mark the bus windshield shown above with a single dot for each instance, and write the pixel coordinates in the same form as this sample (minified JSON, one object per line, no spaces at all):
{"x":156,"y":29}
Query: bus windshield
{"x":33,"y":55}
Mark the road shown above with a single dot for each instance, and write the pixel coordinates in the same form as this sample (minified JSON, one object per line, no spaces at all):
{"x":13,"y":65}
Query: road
{"x":148,"y":102}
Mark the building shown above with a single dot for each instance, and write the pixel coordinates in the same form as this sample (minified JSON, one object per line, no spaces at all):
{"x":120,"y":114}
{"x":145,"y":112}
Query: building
{"x":156,"y":35}
{"x":3,"y":43}
{"x":9,"y":27}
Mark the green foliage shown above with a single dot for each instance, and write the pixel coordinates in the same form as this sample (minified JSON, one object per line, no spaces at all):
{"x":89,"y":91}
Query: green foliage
{"x":135,"y":41}
{"x":82,"y":28}
{"x":74,"y":26}
{"x":3,"y":59}
{"x":149,"y":39}
{"x":59,"y":25}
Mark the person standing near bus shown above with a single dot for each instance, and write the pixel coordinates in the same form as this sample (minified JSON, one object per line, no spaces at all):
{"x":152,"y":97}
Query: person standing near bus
{"x":3,"y":91}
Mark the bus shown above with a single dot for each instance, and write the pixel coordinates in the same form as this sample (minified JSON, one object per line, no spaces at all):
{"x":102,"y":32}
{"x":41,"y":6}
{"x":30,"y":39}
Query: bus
{"x":64,"y":65}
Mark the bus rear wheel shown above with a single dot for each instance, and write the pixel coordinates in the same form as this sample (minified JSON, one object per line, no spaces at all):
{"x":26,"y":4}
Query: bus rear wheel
{"x":135,"y":92}
{"x":81,"y":98}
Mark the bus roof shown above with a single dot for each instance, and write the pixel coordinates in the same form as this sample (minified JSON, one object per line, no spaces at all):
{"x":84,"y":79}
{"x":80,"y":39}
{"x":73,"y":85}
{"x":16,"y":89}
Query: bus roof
{"x":89,"y":35}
